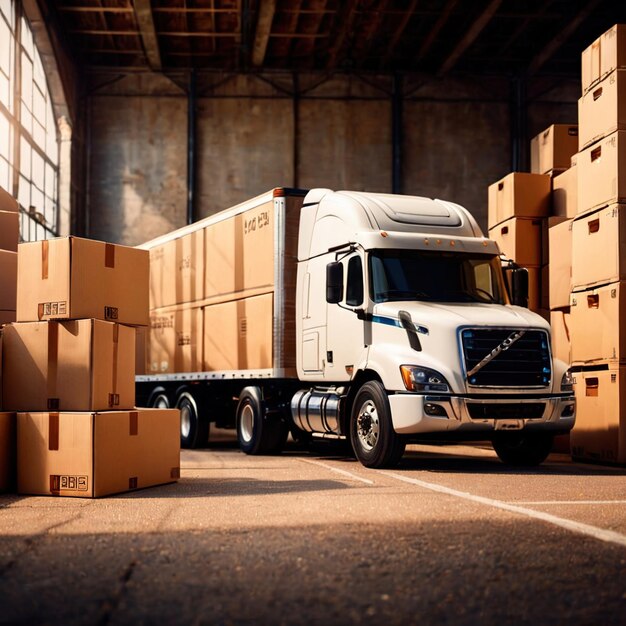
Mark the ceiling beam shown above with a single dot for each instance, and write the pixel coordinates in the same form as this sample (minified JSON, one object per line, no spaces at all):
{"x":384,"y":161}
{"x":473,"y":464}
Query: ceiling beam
{"x":145,"y":20}
{"x":371,"y":29}
{"x":344,"y":21}
{"x":263,"y":29}
{"x":470,"y":36}
{"x":406,"y":17}
{"x":436,"y":29}
{"x":560,"y":38}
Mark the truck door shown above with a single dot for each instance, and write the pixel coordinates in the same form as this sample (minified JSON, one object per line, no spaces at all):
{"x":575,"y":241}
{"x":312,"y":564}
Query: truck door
{"x":345,"y":332}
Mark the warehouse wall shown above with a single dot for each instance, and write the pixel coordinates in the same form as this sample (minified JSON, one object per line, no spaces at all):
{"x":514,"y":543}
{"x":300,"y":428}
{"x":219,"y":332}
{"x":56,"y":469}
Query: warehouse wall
{"x":253,"y":135}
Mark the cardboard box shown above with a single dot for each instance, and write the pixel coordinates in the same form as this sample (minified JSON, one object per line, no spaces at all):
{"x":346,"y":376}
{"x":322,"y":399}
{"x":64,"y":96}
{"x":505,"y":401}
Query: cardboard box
{"x":239,"y":254}
{"x":8,"y":443}
{"x":560,"y":322}
{"x":175,"y":340}
{"x":9,"y":230}
{"x":599,"y":247}
{"x":8,"y":202}
{"x":560,"y":266}
{"x":565,"y":193}
{"x":6,"y":317}
{"x":600,"y":431}
{"x":238,"y":335}
{"x":597,"y":334}
{"x":520,"y":239}
{"x":8,"y":280}
{"x":73,"y":278}
{"x":96,"y":454}
{"x":602,"y":173}
{"x":81,"y":365}
{"x":519,"y":195}
{"x":177,"y":271}
{"x":605,"y":54}
{"x":552,"y":149}
{"x":602,"y":110}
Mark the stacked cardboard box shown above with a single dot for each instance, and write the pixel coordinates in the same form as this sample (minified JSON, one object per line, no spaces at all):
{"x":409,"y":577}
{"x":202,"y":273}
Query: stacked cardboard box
{"x":9,"y":237}
{"x":598,"y":299}
{"x":519,"y":206}
{"x":69,"y":366}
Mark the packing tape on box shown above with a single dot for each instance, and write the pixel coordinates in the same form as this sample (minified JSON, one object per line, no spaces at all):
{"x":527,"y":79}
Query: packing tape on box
{"x":53,"y":431}
{"x":114,"y":398}
{"x":133,"y":423}
{"x":109,"y":255}
{"x":44,"y":259}
{"x":53,"y":353}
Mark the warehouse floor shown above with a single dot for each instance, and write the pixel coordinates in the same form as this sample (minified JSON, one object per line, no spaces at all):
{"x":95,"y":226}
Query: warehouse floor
{"x":450,"y":536}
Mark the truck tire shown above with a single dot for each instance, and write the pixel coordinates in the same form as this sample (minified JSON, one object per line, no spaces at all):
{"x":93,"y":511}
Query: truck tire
{"x":194,"y":431}
{"x":258,"y":432}
{"x":373,"y":439}
{"x":523,"y":449}
{"x":159,"y":399}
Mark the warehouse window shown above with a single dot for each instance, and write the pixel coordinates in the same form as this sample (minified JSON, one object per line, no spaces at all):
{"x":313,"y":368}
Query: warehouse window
{"x":29,"y":146}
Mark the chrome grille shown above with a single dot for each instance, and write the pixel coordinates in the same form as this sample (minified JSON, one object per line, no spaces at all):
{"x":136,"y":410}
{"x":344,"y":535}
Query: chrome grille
{"x":525,"y":363}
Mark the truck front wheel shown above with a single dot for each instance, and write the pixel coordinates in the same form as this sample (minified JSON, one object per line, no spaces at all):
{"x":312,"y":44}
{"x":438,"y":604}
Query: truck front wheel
{"x":523,"y":449}
{"x":258,"y":432}
{"x":374,"y":441}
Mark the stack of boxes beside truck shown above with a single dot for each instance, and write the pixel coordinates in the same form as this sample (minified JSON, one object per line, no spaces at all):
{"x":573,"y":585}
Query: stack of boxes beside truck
{"x":598,"y":299}
{"x":9,"y":237}
{"x":68,"y":373}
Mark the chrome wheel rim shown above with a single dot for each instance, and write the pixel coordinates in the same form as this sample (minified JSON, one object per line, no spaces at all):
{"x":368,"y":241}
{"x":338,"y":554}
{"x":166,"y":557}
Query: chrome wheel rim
{"x":161,"y":403}
{"x":246,"y":423}
{"x":185,"y":420}
{"x":368,"y":426}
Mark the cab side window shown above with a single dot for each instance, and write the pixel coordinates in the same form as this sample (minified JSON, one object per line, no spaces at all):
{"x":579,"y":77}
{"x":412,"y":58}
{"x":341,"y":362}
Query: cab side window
{"x":354,"y":288}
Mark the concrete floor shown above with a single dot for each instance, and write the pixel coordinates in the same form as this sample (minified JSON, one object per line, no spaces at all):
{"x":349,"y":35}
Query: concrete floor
{"x":451,"y":536}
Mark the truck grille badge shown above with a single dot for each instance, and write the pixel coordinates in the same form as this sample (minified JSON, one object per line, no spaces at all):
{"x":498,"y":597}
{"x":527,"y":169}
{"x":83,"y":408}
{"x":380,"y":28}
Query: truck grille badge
{"x":505,"y":345}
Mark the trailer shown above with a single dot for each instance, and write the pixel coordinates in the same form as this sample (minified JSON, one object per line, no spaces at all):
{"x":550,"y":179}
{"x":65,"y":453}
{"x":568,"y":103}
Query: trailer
{"x":380,"y":318}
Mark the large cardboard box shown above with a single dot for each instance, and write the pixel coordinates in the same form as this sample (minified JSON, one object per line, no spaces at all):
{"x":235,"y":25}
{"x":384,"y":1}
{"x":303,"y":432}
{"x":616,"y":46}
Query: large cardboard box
{"x":565,"y":193}
{"x":8,"y":202}
{"x":78,"y":365}
{"x":175,"y":340}
{"x":521,"y":239}
{"x":597,"y":334}
{"x":560,"y":322}
{"x":96,"y":454}
{"x":238,"y":334}
{"x":8,"y":443}
{"x":599,"y":247}
{"x":602,"y":173}
{"x":560,"y":266}
{"x":73,"y":278}
{"x":605,"y":54}
{"x":602,"y":110}
{"x":177,"y":271}
{"x":552,"y":149}
{"x":239,"y":254}
{"x":9,"y":230}
{"x":519,"y":195}
{"x":600,"y":431}
{"x":8,"y":280}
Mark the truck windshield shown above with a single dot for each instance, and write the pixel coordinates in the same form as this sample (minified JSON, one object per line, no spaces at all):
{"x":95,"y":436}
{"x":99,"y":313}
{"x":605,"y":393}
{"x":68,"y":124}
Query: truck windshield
{"x":435,"y":276}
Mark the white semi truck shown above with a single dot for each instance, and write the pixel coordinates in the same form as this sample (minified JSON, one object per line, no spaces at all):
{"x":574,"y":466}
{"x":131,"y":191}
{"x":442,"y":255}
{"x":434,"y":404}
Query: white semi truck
{"x":384,"y":319}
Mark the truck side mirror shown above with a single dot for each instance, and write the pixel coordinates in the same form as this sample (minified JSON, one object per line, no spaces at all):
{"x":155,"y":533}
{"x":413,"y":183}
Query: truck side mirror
{"x":519,"y":287}
{"x":334,"y":283}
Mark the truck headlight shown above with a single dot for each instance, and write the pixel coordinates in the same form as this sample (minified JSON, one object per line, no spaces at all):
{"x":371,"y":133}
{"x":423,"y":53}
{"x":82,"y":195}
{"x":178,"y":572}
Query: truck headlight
{"x":567,"y":382}
{"x":423,"y":379}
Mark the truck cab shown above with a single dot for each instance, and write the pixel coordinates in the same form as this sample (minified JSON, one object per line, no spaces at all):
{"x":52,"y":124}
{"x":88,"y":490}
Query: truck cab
{"x":406,"y":330}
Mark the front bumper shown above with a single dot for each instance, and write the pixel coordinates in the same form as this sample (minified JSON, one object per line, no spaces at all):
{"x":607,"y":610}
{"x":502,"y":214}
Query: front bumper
{"x":410,"y":417}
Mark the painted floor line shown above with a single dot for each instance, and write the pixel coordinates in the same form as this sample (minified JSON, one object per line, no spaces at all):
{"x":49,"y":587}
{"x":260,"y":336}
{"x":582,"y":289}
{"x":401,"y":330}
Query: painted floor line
{"x":339,"y":471}
{"x":549,"y":502}
{"x":602,"y":534}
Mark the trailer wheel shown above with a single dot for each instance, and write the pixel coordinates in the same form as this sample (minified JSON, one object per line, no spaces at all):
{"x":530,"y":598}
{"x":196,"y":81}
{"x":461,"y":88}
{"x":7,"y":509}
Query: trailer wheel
{"x":194,"y":431}
{"x":159,"y":400}
{"x":523,"y":449}
{"x":258,"y":432}
{"x":373,"y":439}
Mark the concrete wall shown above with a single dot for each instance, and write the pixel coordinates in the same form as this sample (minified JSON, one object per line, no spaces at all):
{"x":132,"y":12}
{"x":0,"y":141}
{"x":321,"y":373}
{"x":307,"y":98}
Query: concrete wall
{"x":252,"y":135}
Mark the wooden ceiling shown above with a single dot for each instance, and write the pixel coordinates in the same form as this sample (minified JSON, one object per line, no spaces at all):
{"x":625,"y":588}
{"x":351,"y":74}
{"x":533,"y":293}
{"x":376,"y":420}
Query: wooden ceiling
{"x":510,"y":37}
